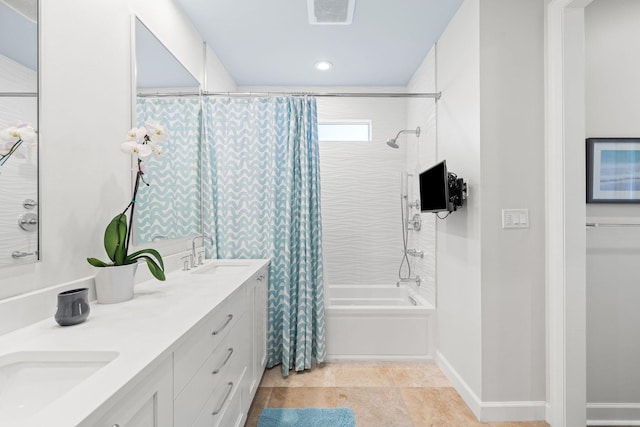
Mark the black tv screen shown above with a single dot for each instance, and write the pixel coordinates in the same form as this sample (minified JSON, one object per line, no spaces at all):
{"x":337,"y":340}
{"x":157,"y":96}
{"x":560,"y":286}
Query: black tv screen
{"x":434,"y":189}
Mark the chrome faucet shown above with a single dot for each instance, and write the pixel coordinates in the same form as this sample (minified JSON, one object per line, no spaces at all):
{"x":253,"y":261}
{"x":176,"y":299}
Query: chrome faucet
{"x":193,"y":255}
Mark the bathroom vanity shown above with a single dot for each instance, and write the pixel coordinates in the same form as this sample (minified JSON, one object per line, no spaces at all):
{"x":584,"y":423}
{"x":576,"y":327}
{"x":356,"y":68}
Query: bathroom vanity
{"x":188,"y":351}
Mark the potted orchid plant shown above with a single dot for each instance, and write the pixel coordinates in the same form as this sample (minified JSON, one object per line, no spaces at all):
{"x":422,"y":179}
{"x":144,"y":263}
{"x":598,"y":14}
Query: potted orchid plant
{"x":141,"y":143}
{"x":14,"y":136}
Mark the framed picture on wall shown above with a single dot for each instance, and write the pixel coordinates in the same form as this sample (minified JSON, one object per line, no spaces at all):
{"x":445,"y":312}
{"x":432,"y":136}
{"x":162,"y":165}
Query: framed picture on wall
{"x":613,"y":170}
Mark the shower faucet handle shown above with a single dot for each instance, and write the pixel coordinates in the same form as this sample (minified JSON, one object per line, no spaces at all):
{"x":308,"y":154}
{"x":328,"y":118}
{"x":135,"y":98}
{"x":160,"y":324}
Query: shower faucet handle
{"x":22,"y":254}
{"x":415,"y":253}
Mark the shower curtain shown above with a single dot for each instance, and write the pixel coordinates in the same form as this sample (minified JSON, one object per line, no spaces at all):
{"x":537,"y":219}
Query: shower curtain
{"x":170,"y":206}
{"x":262,"y":200}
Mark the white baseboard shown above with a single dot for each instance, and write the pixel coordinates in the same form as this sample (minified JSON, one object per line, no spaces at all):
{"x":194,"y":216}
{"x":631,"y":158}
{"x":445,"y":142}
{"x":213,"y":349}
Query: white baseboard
{"x":514,"y":411}
{"x":463,"y":389}
{"x":492,"y":411}
{"x":613,"y":414}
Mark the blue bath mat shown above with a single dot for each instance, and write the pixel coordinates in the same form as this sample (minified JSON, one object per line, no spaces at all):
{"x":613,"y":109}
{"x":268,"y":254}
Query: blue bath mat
{"x":307,"y":417}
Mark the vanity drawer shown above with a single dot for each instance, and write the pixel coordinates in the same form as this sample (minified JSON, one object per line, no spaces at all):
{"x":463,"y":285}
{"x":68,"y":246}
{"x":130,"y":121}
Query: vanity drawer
{"x":197,"y":348}
{"x":218,"y":370}
{"x":225,"y":407}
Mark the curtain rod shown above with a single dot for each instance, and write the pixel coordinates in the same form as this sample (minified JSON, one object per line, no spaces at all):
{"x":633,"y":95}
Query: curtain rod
{"x":436,"y":95}
{"x":611,"y":224}
{"x":165,"y":94}
{"x":18,"y":94}
{"x":331,"y":94}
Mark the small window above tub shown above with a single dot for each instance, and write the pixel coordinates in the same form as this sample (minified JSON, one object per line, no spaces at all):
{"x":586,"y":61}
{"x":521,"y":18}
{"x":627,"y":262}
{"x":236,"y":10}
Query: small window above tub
{"x":352,"y":130}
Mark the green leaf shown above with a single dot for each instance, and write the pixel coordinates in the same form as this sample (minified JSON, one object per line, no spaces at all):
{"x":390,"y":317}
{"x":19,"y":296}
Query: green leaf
{"x":154,"y":268}
{"x":151,"y":252}
{"x":97,"y":263}
{"x":115,"y":239}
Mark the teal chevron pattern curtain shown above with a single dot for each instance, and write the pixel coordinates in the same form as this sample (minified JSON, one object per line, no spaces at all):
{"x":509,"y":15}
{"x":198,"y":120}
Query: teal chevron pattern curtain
{"x":170,"y":206}
{"x":262,"y":200}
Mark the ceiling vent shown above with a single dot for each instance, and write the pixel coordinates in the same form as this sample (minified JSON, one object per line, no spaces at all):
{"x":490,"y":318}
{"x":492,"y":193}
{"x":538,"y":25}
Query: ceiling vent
{"x":330,"y":12}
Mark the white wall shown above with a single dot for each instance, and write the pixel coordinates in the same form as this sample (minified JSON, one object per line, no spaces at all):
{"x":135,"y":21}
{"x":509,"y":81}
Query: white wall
{"x":490,"y":281}
{"x":512,"y":169}
{"x":613,"y":318}
{"x":85,"y":111}
{"x":458,"y":237}
{"x":217,"y":78}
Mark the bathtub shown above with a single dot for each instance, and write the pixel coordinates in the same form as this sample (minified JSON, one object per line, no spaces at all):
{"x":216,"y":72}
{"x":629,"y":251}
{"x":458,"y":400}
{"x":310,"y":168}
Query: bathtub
{"x":378,"y":322}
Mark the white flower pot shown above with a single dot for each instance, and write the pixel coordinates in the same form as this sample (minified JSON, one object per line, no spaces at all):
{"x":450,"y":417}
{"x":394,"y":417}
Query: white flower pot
{"x":115,"y":284}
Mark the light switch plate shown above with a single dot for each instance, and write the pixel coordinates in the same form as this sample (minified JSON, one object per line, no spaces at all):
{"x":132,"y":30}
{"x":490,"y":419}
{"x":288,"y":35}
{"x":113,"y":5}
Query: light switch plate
{"x":515,"y":218}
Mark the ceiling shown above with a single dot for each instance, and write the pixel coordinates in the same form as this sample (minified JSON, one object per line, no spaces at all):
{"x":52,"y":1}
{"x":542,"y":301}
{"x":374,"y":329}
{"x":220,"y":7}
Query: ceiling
{"x":271,"y":43}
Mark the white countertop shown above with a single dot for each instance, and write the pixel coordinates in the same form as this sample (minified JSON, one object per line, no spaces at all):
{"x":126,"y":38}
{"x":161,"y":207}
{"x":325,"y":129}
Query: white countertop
{"x":143,"y":331}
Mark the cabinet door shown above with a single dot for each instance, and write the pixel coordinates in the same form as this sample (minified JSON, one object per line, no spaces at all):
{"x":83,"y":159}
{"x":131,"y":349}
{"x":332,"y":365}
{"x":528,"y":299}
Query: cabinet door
{"x":149,"y":404}
{"x":258,"y":298}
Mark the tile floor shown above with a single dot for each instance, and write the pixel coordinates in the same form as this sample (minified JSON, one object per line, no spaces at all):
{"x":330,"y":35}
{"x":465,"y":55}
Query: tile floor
{"x":381,"y":394}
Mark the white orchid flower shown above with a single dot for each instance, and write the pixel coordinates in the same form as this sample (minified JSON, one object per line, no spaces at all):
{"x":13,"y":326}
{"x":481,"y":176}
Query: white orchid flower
{"x":10,"y":134}
{"x":24,"y":132}
{"x":131,"y":147}
{"x":27,"y":133}
{"x":136,"y":134}
{"x":159,"y":152}
{"x":155,"y":130}
{"x":17,"y":153}
{"x":142,"y":166}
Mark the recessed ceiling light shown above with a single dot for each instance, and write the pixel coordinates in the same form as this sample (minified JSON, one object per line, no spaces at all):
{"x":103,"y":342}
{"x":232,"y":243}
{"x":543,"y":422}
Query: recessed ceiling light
{"x":323,"y":65}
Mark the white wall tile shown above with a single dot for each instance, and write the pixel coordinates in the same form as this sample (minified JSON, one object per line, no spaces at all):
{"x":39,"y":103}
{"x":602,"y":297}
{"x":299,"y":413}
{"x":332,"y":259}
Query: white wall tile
{"x":361,"y":193}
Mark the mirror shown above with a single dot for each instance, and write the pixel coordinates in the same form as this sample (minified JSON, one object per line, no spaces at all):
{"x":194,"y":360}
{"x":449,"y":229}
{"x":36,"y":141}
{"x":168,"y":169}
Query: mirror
{"x":18,"y":126}
{"x":169,"y":207}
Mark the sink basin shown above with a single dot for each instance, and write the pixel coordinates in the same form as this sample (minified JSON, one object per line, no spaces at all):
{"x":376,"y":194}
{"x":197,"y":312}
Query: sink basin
{"x":31,"y":380}
{"x":221,"y":268}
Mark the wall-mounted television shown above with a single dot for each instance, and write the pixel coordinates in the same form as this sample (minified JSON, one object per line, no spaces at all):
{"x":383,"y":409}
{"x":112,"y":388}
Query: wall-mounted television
{"x":440,"y":190}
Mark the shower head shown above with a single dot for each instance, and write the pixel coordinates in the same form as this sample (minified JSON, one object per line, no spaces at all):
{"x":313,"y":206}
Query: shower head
{"x":393,"y":142}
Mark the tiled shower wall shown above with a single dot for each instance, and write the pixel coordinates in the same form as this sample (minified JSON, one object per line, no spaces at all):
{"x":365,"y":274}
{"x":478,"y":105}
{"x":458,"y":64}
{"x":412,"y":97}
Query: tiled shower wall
{"x":360,"y":184}
{"x":19,"y":175}
{"x":421,"y":155}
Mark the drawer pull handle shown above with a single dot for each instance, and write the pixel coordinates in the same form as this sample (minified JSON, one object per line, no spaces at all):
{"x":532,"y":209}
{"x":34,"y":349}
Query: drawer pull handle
{"x":261,"y":278}
{"x":226,"y":396}
{"x":224,"y":362}
{"x":221,"y":328}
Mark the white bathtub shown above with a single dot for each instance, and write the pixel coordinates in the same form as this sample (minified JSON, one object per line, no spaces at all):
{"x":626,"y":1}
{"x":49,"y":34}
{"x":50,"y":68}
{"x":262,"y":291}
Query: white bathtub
{"x":378,"y":322}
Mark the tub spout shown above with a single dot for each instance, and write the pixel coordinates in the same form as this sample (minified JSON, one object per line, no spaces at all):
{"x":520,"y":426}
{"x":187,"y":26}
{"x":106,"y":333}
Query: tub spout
{"x":415,"y":280}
